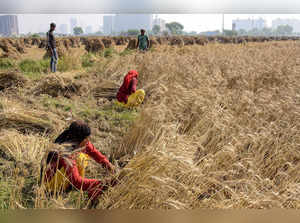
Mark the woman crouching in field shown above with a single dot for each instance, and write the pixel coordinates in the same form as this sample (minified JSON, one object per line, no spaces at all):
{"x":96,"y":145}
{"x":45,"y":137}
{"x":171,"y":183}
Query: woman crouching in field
{"x":127,"y":95}
{"x":66,"y":171}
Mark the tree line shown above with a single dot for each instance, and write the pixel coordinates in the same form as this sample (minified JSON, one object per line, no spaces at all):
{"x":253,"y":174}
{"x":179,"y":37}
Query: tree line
{"x":176,"y":28}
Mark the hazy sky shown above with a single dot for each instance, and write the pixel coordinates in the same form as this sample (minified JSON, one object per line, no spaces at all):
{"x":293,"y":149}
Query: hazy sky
{"x":149,"y":6}
{"x":35,"y":15}
{"x":192,"y":22}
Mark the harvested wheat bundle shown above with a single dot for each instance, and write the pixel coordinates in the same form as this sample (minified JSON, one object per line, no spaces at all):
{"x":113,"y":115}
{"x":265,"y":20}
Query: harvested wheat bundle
{"x":11,"y":79}
{"x":36,"y":41}
{"x":57,"y":85}
{"x":24,"y":122}
{"x":107,"y":42}
{"x":132,"y":44}
{"x":162,"y":40}
{"x":106,"y":89}
{"x":201,"y":41}
{"x":18,"y":45}
{"x":66,"y":43}
{"x":94,"y":45}
{"x":188,"y":41}
{"x":119,"y":40}
{"x":14,"y":116}
{"x":27,"y":42}
{"x":43,"y":44}
{"x":176,"y":41}
{"x":4,"y":45}
{"x":9,"y":50}
{"x":23,"y":148}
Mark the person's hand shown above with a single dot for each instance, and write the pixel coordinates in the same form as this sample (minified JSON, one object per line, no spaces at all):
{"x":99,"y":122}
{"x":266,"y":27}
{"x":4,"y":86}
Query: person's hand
{"x":83,"y":143}
{"x":112,"y":168}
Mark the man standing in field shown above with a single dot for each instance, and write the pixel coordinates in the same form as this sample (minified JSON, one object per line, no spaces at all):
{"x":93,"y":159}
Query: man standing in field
{"x":143,"y":41}
{"x":51,"y":46}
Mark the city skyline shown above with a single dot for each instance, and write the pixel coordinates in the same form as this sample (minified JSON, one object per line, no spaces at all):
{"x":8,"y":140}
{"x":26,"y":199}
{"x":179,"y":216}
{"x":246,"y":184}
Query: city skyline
{"x":29,"y":23}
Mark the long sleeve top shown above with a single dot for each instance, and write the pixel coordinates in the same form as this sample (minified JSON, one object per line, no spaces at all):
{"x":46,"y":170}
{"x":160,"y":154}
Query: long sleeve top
{"x":124,"y":93}
{"x":92,"y":186}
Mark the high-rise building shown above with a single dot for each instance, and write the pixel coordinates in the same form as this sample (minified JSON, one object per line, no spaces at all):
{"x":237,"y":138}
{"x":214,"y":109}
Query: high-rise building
{"x":108,"y":24}
{"x":160,"y":22}
{"x":249,"y":24}
{"x":101,"y":29}
{"x":295,"y":23}
{"x":233,"y":27}
{"x":63,"y":29}
{"x":124,"y":22}
{"x":9,"y":25}
{"x":73,"y":24}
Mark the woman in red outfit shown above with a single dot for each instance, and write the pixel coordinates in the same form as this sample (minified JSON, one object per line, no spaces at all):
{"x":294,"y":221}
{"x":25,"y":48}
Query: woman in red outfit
{"x":128,"y":87}
{"x":128,"y":96}
{"x":77,"y":135}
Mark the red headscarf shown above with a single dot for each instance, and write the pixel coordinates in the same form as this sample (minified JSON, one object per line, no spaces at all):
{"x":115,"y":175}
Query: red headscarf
{"x":129,"y":76}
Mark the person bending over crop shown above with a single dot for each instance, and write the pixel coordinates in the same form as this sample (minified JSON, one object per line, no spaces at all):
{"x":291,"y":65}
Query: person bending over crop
{"x":64,"y":172}
{"x":127,"y":95}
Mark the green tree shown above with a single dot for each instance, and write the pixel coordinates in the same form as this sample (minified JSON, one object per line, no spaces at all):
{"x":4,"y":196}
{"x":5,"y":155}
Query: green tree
{"x":99,"y":33}
{"x":156,"y":29}
{"x":133,"y":32}
{"x":78,"y":31}
{"x":35,"y":35}
{"x":267,"y":31}
{"x":175,"y":28}
{"x":165,"y":33}
{"x":284,"y":30}
{"x":230,"y":32}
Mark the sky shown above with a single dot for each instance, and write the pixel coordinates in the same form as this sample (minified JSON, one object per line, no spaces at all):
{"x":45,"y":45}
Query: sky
{"x":149,"y":6}
{"x":195,"y":15}
{"x":192,"y":22}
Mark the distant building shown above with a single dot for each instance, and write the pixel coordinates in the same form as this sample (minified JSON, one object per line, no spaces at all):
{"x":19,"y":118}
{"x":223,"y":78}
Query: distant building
{"x":249,"y":24}
{"x":108,"y":24}
{"x":124,"y":22}
{"x":9,"y":25}
{"x":233,"y":27}
{"x":160,"y":22}
{"x":88,"y":29}
{"x":210,"y":33}
{"x":295,"y":23}
{"x":101,"y":29}
{"x":73,"y":24}
{"x":63,"y":29}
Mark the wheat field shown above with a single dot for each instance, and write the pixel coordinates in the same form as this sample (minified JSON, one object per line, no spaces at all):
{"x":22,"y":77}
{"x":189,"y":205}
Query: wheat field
{"x":218,"y":128}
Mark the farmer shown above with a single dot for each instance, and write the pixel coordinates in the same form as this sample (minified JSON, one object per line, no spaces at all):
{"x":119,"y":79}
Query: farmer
{"x":127,"y":95}
{"x":51,"y":46}
{"x":143,"y":41}
{"x":64,"y":172}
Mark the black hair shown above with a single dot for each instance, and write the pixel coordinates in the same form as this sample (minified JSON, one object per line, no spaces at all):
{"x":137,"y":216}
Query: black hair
{"x":76,"y":132}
